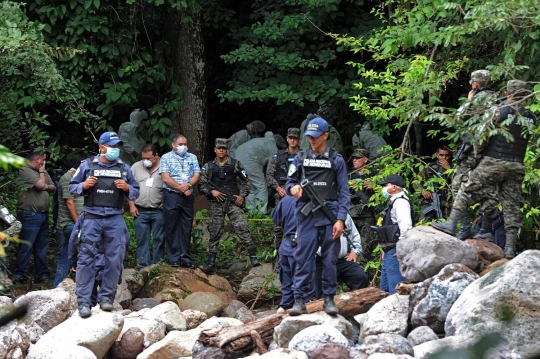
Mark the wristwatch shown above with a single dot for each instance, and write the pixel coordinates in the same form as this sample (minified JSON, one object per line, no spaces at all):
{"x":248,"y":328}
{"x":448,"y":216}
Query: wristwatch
{"x":190,"y":187}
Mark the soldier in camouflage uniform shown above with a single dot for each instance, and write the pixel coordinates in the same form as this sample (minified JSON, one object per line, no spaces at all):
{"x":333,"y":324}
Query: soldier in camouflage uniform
{"x":276,"y":173}
{"x":430,"y":187}
{"x":226,"y":185}
{"x":480,"y":98}
{"x":9,"y":227}
{"x":362,"y":215}
{"x":500,"y":171}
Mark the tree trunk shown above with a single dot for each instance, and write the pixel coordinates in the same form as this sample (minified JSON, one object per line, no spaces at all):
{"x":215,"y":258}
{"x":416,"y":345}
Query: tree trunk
{"x":188,"y":63}
{"x":239,"y":338}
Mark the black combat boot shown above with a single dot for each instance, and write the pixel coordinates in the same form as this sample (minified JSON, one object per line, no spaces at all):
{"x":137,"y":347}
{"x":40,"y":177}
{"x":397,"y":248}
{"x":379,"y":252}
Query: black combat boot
{"x":299,"y":307}
{"x":449,"y":227}
{"x":509,"y":248}
{"x":465,"y":230}
{"x":84,"y":310}
{"x":210,"y":267}
{"x":485,"y":231}
{"x":253,"y":258}
{"x":329,"y":306}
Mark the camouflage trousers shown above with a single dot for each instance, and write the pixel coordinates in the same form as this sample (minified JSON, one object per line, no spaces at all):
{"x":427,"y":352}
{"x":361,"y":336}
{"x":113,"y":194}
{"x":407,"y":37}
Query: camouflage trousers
{"x":461,"y":175}
{"x":495,"y":180}
{"x":216,"y":222}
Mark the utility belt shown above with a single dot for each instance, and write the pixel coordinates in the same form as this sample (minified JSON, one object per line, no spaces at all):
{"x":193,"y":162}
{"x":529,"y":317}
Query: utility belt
{"x":98,"y":216}
{"x":147,"y":209}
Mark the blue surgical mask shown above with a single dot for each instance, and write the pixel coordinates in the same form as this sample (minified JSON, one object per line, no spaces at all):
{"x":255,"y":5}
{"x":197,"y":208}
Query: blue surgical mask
{"x":112,"y":153}
{"x":385,"y":192}
{"x":181,"y":150}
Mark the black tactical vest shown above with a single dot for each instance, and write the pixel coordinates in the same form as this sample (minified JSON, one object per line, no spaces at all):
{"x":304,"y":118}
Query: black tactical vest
{"x":321,"y":173}
{"x":105,"y":193}
{"x":498,"y":147}
{"x":224,"y":176}
{"x":284,"y":160}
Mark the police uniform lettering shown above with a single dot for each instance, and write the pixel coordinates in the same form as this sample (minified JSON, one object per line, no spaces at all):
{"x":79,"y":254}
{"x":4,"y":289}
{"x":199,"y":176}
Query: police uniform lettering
{"x":308,"y":162}
{"x":108,"y":173}
{"x":105,"y":193}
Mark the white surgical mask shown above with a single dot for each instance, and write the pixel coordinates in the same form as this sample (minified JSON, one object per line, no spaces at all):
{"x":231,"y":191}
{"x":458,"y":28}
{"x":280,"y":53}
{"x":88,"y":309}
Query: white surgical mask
{"x":385,"y":192}
{"x":147,"y":163}
{"x":181,"y":150}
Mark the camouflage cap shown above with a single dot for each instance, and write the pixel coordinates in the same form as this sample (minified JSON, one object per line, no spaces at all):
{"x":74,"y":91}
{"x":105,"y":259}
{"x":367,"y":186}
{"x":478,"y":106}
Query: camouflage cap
{"x":360,"y":152}
{"x":515,"y":86}
{"x":482,"y":76}
{"x":293,"y":132}
{"x":221,"y":143}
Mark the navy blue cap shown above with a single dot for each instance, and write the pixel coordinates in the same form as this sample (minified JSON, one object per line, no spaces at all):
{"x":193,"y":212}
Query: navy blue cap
{"x":316,"y":127}
{"x":393,"y":179}
{"x":110,"y":138}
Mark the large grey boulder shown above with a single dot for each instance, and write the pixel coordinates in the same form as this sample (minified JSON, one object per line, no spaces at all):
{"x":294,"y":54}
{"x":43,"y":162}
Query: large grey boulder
{"x":134,"y":280}
{"x":68,"y":285}
{"x":14,"y":341}
{"x":96,"y":333}
{"x":290,"y":326}
{"x":208,"y":303}
{"x":309,"y":339}
{"x":123,"y":295}
{"x":153,"y":330}
{"x":506,"y":300}
{"x":424,"y":251}
{"x":389,"y":315}
{"x":386,"y":343}
{"x":281,"y":353}
{"x":47,"y":308}
{"x":175,"y":344}
{"x":256,"y":285}
{"x":193,"y":318}
{"x":238,"y":310}
{"x":169,"y":314}
{"x":431,"y":300}
{"x":421,"y":335}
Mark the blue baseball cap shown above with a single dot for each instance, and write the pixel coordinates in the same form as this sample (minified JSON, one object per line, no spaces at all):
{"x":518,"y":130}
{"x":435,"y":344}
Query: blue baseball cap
{"x":316,"y":127}
{"x":110,"y":138}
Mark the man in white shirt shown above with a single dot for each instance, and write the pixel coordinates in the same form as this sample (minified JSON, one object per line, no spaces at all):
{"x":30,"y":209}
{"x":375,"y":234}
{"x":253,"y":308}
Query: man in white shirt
{"x":349,"y":271}
{"x":397,"y":219}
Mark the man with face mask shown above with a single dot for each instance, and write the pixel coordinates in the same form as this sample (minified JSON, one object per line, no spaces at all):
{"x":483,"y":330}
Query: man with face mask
{"x":33,"y":213}
{"x":397,"y":219}
{"x":103,"y":181}
{"x":180,"y":172}
{"x":147,"y":209}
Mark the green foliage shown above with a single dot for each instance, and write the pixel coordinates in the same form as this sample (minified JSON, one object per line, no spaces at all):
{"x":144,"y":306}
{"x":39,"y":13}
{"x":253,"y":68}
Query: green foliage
{"x":33,"y":87}
{"x":9,"y":159}
{"x":283,"y":54}
{"x":423,"y":53}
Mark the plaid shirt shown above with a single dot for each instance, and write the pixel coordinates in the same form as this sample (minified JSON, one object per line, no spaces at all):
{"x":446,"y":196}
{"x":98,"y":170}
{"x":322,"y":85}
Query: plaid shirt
{"x":181,"y":169}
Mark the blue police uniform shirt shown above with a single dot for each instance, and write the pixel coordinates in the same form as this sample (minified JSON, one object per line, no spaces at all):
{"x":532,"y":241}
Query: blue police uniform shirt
{"x":76,"y":186}
{"x":283,"y":215}
{"x":180,"y":168}
{"x":295,"y":177}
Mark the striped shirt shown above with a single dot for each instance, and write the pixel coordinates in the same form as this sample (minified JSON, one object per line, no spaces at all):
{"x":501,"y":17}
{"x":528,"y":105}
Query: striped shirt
{"x":180,"y":168}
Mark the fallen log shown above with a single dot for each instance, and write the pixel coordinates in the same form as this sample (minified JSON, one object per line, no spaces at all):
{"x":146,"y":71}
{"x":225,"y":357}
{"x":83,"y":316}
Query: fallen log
{"x":237,"y":339}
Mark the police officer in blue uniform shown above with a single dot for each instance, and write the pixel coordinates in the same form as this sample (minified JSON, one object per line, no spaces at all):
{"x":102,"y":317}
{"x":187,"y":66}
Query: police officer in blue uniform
{"x":327,"y":172}
{"x":104,"y":181}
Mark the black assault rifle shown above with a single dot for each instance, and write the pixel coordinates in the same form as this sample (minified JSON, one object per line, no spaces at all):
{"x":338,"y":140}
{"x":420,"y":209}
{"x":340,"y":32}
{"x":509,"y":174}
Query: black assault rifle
{"x":316,"y":202}
{"x":230,"y":197}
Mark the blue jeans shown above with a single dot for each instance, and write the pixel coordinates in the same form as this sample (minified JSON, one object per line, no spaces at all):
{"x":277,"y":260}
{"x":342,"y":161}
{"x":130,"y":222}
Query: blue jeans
{"x":390,"y":276}
{"x":149,"y":221}
{"x":35,"y":230}
{"x":62,"y":263}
